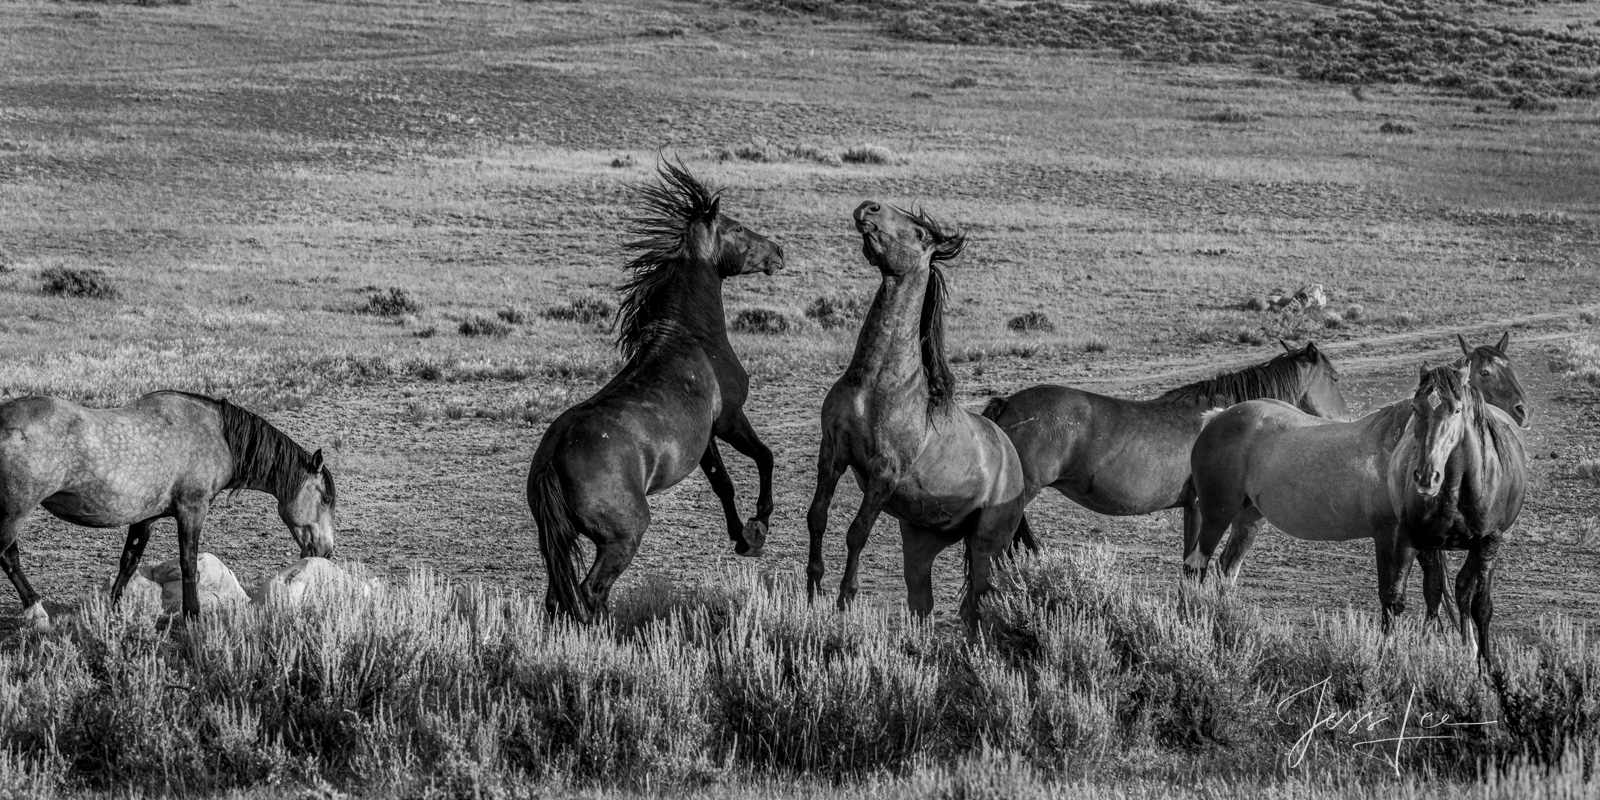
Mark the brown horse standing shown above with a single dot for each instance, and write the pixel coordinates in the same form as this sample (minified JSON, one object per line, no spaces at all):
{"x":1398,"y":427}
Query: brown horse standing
{"x":1125,"y":457}
{"x":166,"y":454}
{"x":1456,"y":481}
{"x":681,"y":385}
{"x":947,"y":474}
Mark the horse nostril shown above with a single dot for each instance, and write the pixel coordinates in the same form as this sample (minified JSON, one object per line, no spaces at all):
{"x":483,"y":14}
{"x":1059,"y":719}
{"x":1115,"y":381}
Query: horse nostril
{"x":873,"y":208}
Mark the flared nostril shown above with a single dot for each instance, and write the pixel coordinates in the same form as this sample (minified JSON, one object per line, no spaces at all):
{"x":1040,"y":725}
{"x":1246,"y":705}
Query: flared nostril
{"x":873,"y":208}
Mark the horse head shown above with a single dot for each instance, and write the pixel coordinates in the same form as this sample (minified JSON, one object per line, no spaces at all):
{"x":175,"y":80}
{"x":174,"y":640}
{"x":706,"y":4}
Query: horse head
{"x":1321,"y":381}
{"x":900,"y":242}
{"x":1490,"y":371}
{"x":308,"y":511}
{"x":1441,"y":409}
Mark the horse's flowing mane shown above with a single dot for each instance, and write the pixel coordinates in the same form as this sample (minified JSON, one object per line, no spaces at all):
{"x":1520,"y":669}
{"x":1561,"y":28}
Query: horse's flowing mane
{"x":669,"y":209}
{"x":1278,"y":379}
{"x":935,"y":365}
{"x":263,"y":456}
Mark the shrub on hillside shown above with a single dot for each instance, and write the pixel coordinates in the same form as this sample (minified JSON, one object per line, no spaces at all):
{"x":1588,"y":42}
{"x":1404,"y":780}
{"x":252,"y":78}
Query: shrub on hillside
{"x":395,"y":302}
{"x":1033,"y":321}
{"x":837,"y":310}
{"x":479,"y":325}
{"x":770,"y":321}
{"x":79,"y":282}
{"x":585,"y":309}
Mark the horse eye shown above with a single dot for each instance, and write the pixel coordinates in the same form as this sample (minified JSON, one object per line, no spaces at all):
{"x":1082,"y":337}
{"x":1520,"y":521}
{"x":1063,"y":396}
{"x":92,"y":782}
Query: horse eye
{"x":920,"y":234}
{"x":1484,"y":373}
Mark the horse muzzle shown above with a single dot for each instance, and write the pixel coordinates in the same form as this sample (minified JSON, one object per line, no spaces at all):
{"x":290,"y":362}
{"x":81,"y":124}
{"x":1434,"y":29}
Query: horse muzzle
{"x":1428,"y":482}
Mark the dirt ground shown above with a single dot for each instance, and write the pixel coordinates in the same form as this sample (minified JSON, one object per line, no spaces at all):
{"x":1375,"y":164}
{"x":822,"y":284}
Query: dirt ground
{"x":211,"y":153}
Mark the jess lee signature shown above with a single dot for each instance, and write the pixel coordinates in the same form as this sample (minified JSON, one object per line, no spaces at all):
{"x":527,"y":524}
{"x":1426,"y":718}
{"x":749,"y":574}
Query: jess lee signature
{"x":1413,"y":725}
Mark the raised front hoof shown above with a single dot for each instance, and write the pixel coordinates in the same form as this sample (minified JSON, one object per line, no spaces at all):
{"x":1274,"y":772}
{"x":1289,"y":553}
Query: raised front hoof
{"x":753,"y":540}
{"x":35,"y":618}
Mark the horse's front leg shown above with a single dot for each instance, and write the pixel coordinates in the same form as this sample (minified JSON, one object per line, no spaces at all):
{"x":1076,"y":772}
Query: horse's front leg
{"x":33,"y":613}
{"x":1472,"y":595}
{"x":132,"y":551}
{"x":191,"y":517}
{"x":1434,"y":564}
{"x":1395,"y":554}
{"x":717,"y":475}
{"x":742,"y":437}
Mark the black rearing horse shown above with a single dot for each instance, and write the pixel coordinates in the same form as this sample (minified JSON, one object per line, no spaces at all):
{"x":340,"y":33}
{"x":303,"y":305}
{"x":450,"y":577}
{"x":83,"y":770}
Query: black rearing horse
{"x":681,"y":385}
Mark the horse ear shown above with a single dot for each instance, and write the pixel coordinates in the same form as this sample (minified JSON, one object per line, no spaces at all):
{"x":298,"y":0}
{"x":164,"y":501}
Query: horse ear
{"x":1505,"y":339}
{"x":1311,"y":349}
{"x":1465,"y":350}
{"x":716,"y":207}
{"x":1422,"y":371}
{"x":316,"y":461}
{"x":1286,"y":347}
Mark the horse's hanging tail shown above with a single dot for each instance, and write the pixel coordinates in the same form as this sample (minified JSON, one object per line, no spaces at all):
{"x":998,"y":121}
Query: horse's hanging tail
{"x":558,"y":540}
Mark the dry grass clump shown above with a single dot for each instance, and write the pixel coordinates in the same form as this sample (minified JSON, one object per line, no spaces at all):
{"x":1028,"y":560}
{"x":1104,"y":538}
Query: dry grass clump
{"x":837,"y":310}
{"x":479,"y":325}
{"x":762,"y":151}
{"x":586,"y":309}
{"x":1578,"y":360}
{"x":1031,"y":322}
{"x":1589,"y":468}
{"x":1232,"y":114}
{"x":393,"y":302}
{"x":763,"y":320}
{"x":868,"y":154}
{"x":79,"y":282}
{"x":1396,"y":127}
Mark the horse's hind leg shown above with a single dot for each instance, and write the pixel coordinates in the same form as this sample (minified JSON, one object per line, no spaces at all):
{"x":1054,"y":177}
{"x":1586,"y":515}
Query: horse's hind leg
{"x":33,"y":614}
{"x":616,"y":533}
{"x":986,"y":540}
{"x":1214,"y":521}
{"x":717,"y":476}
{"x":132,"y":551}
{"x":918,"y":547}
{"x":1024,"y":537}
{"x":1245,"y":528}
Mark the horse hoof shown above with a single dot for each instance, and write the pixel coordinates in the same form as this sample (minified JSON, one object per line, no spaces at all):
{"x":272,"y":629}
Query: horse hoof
{"x":37,"y":618}
{"x":755,"y":535}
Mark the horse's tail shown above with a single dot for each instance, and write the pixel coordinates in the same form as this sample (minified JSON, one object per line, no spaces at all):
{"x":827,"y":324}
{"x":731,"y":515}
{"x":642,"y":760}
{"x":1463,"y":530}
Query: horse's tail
{"x":995,"y":407}
{"x":558,"y":540}
{"x":1205,"y":418}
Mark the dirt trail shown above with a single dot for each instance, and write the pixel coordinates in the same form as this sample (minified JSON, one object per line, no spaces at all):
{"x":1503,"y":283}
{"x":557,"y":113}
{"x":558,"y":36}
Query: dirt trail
{"x":1363,"y":364}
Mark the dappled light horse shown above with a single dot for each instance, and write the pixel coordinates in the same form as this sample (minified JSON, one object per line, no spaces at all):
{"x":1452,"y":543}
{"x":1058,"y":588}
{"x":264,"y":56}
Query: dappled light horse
{"x":649,"y":427}
{"x":947,"y":474}
{"x":1457,"y":482}
{"x":1125,"y":457}
{"x":167,"y":454}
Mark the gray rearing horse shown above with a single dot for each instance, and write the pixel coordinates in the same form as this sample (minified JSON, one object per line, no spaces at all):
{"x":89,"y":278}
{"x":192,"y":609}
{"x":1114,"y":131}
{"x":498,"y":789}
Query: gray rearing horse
{"x":167,"y":454}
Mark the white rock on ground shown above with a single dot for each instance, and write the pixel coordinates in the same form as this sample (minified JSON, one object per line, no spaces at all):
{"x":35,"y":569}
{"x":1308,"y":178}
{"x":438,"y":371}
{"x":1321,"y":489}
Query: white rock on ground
{"x":162,"y":584}
{"x":306,"y":577}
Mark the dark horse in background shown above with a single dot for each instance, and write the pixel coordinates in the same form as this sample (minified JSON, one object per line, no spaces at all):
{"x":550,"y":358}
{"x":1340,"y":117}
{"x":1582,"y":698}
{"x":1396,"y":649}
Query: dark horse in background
{"x":1126,"y":457}
{"x":947,"y":474}
{"x":681,"y":385}
{"x":167,"y":454}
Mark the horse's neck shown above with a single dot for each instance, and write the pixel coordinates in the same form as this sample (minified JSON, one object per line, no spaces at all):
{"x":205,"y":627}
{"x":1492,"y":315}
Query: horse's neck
{"x":692,"y":304}
{"x":889,"y":350}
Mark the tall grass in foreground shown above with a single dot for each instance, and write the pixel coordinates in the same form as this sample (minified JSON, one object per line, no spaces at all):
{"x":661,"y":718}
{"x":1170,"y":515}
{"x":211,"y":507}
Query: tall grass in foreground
{"x":1082,"y":684}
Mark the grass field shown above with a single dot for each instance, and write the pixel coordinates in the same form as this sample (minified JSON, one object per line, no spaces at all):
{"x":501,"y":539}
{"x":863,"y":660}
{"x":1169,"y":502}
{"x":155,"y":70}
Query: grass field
{"x":381,"y":224}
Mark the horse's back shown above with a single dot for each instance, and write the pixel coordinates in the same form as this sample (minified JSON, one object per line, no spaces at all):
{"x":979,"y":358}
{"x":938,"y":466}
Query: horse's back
{"x":112,"y":466}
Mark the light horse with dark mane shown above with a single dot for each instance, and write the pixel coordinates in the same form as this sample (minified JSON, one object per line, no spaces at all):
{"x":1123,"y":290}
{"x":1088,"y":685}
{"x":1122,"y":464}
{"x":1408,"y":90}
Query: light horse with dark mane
{"x":1445,"y":470}
{"x":1125,"y":457}
{"x":945,"y":473}
{"x":167,"y":454}
{"x":681,"y":385}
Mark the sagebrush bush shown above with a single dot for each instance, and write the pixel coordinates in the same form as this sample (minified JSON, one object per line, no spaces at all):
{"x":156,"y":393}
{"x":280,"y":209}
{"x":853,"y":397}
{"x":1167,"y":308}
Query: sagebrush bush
{"x":1032,"y":321}
{"x":79,"y":282}
{"x":838,"y":310}
{"x":479,"y":325}
{"x":464,"y":690}
{"x":585,"y":309}
{"x":868,"y":154}
{"x":770,"y":321}
{"x":393,"y":302}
